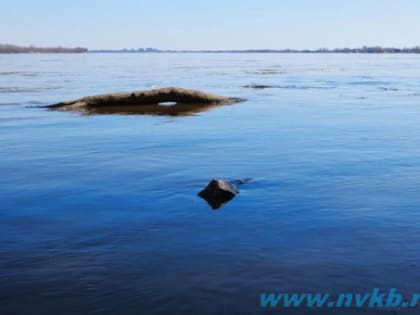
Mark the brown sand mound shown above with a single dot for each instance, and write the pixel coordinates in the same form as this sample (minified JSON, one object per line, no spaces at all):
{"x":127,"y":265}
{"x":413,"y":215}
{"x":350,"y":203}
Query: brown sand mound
{"x":149,"y":100}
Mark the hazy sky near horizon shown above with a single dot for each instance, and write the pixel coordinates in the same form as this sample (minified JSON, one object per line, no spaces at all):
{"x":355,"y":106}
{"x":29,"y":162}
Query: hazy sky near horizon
{"x":210,"y":24}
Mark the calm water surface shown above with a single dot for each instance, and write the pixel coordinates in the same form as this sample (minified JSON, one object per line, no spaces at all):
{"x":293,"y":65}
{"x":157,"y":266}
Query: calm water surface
{"x":99,"y":214}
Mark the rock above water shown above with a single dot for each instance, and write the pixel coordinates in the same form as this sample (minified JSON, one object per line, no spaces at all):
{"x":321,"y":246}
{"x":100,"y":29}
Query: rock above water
{"x":218,"y":192}
{"x":150,"y":100}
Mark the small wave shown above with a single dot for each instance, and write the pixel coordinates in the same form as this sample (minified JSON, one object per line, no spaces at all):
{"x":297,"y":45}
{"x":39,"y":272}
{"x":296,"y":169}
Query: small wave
{"x":27,"y":103}
{"x":21,"y":73}
{"x":10,"y":104}
{"x":288,"y":87}
{"x":30,"y":74}
{"x":13,"y":119}
{"x":14,"y":89}
{"x":369,"y":83}
{"x":47,"y":88}
{"x":9,"y":73}
{"x":266,"y":72}
{"x":35,"y":103}
{"x":388,"y":89}
{"x":50,"y":60}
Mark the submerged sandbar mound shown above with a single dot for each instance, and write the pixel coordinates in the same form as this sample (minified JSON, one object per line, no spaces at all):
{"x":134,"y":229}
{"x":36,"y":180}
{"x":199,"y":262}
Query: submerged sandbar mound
{"x":183,"y":102}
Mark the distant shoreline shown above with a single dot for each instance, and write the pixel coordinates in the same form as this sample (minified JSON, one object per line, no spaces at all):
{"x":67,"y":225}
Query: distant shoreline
{"x":246,"y":52}
{"x":362,"y":50}
{"x":13,"y":49}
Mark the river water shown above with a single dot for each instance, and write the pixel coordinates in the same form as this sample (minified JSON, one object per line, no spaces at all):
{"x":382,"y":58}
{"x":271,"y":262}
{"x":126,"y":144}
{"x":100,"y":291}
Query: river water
{"x":99,"y":214}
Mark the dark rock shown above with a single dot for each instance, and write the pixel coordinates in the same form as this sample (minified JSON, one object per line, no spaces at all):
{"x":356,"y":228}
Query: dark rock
{"x":147,"y":102}
{"x":218,"y":192}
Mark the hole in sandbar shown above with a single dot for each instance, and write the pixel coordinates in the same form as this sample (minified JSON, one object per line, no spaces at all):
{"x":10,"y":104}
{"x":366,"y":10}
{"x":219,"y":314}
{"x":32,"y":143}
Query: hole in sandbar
{"x":167,"y":103}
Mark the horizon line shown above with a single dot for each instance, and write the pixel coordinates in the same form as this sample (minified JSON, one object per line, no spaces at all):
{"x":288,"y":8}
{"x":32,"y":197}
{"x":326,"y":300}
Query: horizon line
{"x":10,"y":48}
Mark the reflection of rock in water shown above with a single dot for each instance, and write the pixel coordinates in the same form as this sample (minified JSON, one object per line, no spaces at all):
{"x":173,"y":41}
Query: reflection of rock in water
{"x":218,"y":192}
{"x":182,"y":102}
{"x":152,"y":109}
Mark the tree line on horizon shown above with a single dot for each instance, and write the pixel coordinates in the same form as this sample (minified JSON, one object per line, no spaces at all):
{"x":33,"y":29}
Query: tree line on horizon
{"x":363,"y":50}
{"x":13,"y":49}
{"x":10,"y":49}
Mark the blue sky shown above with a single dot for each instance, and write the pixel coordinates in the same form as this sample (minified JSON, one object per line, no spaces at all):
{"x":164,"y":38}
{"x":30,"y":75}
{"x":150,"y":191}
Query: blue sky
{"x":210,"y":24}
